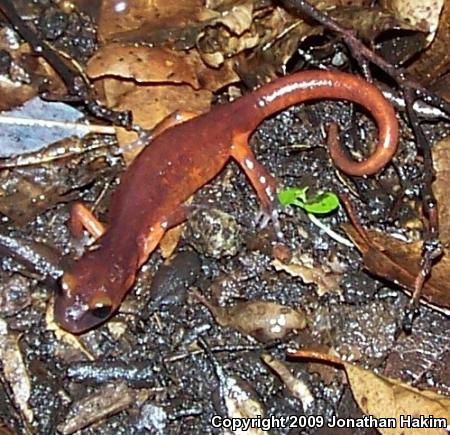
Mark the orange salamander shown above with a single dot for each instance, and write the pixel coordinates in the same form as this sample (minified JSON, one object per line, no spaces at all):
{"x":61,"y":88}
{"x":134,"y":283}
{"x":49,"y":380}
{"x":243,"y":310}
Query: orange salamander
{"x":180,"y":160}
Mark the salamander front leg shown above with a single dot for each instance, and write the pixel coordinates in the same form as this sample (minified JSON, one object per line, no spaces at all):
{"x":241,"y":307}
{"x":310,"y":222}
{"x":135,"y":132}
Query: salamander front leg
{"x":261,"y":180}
{"x":82,"y":218}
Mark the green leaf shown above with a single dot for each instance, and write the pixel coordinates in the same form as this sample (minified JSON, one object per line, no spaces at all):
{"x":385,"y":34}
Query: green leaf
{"x":292,"y":195}
{"x":319,"y":204}
{"x":323,"y":203}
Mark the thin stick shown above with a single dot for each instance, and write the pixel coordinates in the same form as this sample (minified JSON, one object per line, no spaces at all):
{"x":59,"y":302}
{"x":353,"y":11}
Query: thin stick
{"x":89,"y":128}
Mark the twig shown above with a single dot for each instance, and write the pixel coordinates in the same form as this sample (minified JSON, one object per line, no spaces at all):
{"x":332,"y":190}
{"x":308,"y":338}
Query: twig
{"x":38,"y":159}
{"x":88,"y":128}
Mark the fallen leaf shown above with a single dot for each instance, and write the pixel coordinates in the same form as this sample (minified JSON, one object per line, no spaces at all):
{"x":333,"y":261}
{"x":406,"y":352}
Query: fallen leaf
{"x":370,"y":22}
{"x":27,"y":191}
{"x":441,"y":187}
{"x":241,"y":403}
{"x":389,"y":399}
{"x":422,"y":357}
{"x":14,"y":370}
{"x":399,"y":262}
{"x":121,"y":18}
{"x":37,"y":124}
{"x":107,"y":400}
{"x":423,"y":14}
{"x":155,"y":65}
{"x":325,"y":279}
{"x":151,"y":104}
{"x":218,"y":42}
{"x":263,"y":320}
{"x":280,"y":34}
{"x":144,"y":64}
{"x":170,"y":240}
{"x":435,"y":60}
{"x":297,"y":387}
{"x":22,"y":78}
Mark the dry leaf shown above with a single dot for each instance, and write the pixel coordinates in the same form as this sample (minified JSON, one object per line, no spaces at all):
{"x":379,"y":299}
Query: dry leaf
{"x":14,"y":370}
{"x":280,"y":34}
{"x":441,"y":186}
{"x":107,"y":400}
{"x":435,"y":60}
{"x":144,"y":64}
{"x":170,"y":240}
{"x":423,"y":14}
{"x":28,"y":191}
{"x":391,"y":401}
{"x":325,"y":279}
{"x":216,"y":43}
{"x":265,"y":321}
{"x":422,"y":357}
{"x":295,"y":386}
{"x":369,"y":22}
{"x":399,"y":262}
{"x":118,"y":17}
{"x":25,"y":73}
{"x":148,"y":65}
{"x":241,"y":402}
{"x":151,"y":104}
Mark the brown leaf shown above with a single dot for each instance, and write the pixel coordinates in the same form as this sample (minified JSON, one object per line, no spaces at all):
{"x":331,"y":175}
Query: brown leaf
{"x":28,"y":191}
{"x":390,"y":400}
{"x":151,"y":104}
{"x":148,"y":65}
{"x":228,"y":33}
{"x":14,"y":370}
{"x":399,"y":262}
{"x":422,"y":14}
{"x":424,"y":354}
{"x":435,"y":60}
{"x":297,"y":387}
{"x":143,"y":64}
{"x":280,"y":35}
{"x":170,"y":240}
{"x":241,"y":402}
{"x":118,"y":17}
{"x":441,"y":186}
{"x":107,"y":400}
{"x":263,"y":320}
{"x":325,"y":279}
{"x":369,"y":22}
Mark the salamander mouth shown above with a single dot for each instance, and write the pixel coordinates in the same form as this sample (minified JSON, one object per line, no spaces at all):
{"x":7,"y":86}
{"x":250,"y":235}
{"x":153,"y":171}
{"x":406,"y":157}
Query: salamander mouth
{"x":70,"y":313}
{"x":76,"y":316}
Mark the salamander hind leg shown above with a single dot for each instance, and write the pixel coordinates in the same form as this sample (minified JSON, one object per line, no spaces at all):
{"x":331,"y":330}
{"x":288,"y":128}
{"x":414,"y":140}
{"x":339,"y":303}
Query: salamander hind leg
{"x":261,"y":180}
{"x":82,"y":218}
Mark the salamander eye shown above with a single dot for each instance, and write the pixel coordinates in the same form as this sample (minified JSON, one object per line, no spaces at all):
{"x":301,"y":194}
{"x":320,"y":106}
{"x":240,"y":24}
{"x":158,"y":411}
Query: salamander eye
{"x":102,"y":307}
{"x":66,"y":284}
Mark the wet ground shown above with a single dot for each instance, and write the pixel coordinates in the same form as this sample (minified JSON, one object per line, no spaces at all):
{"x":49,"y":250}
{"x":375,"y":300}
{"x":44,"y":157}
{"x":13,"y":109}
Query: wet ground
{"x":163,"y":364}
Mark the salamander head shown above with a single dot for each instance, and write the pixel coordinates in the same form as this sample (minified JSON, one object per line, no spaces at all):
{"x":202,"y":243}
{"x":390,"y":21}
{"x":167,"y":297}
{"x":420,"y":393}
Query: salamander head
{"x":90,"y":293}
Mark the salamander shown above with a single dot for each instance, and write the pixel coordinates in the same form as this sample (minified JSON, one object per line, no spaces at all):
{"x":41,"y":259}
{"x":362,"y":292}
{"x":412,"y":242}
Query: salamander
{"x":177,"y":162}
